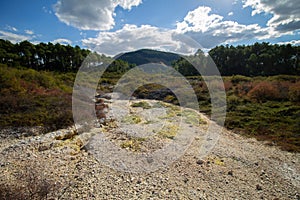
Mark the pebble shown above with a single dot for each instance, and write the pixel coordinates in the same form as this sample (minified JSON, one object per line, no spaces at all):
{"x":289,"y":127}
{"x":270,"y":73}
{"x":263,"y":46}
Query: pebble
{"x":200,"y":162}
{"x":258,"y":187}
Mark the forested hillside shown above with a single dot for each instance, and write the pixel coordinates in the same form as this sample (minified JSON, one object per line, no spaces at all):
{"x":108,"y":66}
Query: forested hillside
{"x":145,"y":56}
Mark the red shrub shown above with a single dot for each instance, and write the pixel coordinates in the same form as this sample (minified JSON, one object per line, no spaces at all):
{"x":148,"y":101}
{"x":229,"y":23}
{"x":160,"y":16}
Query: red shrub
{"x":264,"y":91}
{"x":228,"y":85}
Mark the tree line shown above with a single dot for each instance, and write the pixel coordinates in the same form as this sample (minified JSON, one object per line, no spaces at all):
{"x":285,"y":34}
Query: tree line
{"x":42,"y":56}
{"x":259,"y":59}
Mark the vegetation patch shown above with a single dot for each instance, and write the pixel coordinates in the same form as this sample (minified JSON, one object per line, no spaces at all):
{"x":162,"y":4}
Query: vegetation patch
{"x":131,"y":119}
{"x":170,"y":131}
{"x":31,"y":98}
{"x":192,"y":117}
{"x":133,"y":144}
{"x":142,"y":104}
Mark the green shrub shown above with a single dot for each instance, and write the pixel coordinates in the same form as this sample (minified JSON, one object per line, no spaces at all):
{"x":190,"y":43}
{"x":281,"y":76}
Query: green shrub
{"x":239,"y":78}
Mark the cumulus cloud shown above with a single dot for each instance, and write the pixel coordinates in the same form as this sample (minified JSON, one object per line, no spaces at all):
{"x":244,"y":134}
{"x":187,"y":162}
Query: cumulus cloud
{"x":230,"y":13}
{"x":198,"y":20}
{"x":128,"y":4}
{"x":286,"y":14}
{"x":132,"y":37}
{"x":198,"y":25}
{"x":12,"y":37}
{"x":62,"y":41}
{"x":91,"y":14}
{"x":210,"y":29}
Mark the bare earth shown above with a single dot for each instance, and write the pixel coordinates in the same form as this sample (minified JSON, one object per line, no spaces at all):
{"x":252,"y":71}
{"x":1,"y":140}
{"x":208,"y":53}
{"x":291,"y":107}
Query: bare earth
{"x":61,"y":162}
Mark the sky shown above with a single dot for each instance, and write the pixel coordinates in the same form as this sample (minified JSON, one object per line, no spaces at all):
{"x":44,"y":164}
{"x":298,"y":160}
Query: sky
{"x":180,"y":26}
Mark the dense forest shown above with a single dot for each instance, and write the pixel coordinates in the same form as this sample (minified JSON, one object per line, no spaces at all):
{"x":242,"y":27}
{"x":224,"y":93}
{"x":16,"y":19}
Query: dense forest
{"x":259,"y":59}
{"x":49,"y":57}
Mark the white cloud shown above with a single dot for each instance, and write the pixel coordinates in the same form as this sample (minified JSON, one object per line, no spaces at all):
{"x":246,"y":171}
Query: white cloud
{"x":286,"y":14}
{"x":11,"y":28}
{"x":46,"y":10}
{"x":62,"y":41}
{"x":230,"y":14}
{"x":198,"y":20}
{"x":132,"y":37}
{"x":210,"y":29}
{"x":29,"y":32}
{"x":293,"y":42}
{"x":235,"y":2}
{"x":201,"y":25}
{"x":12,"y":37}
{"x":128,"y":4}
{"x":91,"y":14}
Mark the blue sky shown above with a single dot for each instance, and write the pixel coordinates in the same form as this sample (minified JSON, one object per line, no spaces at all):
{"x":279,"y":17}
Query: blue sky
{"x":112,"y":27}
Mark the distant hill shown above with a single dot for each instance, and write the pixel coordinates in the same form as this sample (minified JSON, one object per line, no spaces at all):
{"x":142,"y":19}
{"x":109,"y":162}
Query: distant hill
{"x":145,"y":56}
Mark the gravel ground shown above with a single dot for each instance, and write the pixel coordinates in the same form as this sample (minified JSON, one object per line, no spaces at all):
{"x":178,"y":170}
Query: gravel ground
{"x":60,"y":165}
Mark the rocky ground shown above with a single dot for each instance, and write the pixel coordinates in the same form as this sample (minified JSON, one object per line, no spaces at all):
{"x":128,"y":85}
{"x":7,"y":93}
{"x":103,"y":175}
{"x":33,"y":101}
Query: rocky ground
{"x":64,"y":165}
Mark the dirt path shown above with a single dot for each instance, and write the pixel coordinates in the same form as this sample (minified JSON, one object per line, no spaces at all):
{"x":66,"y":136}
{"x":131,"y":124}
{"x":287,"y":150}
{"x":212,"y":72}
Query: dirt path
{"x":237,"y":167}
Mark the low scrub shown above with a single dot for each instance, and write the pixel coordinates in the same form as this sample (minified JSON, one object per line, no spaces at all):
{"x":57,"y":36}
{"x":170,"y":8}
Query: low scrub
{"x":31,"y":98}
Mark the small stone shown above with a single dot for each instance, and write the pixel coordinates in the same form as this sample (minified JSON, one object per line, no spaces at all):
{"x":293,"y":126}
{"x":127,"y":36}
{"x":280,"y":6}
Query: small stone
{"x":150,"y":160}
{"x":230,"y":173}
{"x":43,"y":148}
{"x":200,"y":162}
{"x":258,"y":187}
{"x":185,"y":180}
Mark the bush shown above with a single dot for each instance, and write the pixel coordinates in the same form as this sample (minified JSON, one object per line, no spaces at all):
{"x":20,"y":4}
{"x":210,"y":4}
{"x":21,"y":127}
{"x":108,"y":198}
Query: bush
{"x":294,"y":92}
{"x":264,"y":91}
{"x":239,"y":78}
{"x":31,"y":98}
{"x":29,"y":182}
